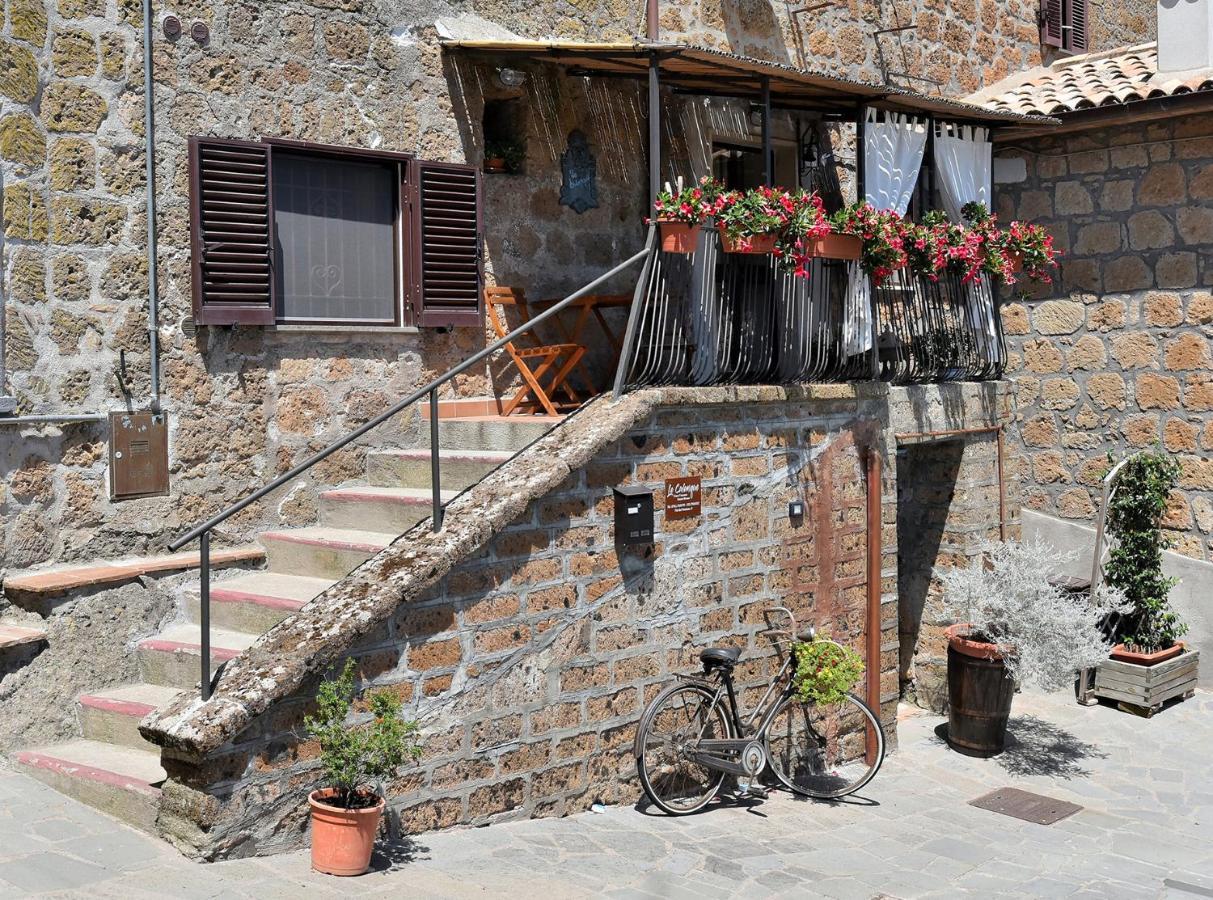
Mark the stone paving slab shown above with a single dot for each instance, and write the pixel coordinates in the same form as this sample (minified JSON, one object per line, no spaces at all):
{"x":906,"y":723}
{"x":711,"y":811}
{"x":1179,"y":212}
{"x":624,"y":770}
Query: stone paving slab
{"x":1145,"y":830}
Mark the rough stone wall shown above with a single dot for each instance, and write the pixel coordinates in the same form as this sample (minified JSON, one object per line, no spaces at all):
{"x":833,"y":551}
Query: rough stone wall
{"x":243,"y":403}
{"x":530,"y":662}
{"x":1115,"y":355}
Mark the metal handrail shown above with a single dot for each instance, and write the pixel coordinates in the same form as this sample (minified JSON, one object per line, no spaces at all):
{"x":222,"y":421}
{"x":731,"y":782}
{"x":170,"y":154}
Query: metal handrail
{"x":203,"y":532}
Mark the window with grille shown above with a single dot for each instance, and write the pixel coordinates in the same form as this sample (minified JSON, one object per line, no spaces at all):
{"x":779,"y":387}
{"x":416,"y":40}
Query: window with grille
{"x":286,"y":232}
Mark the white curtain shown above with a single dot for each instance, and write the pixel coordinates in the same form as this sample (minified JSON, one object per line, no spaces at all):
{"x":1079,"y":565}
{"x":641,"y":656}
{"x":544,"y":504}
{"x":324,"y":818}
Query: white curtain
{"x":893,"y":148}
{"x":964,"y":159}
{"x":894,"y":145}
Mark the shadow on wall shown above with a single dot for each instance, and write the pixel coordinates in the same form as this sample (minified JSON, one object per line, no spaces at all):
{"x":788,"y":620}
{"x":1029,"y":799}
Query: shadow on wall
{"x":753,"y":29}
{"x":926,"y":484}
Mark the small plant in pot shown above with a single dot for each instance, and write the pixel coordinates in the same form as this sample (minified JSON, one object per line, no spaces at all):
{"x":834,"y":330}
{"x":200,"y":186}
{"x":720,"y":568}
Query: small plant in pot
{"x":1013,"y":627}
{"x":504,"y":156}
{"x":680,"y":211}
{"x":1149,"y":664}
{"x":346,"y":814}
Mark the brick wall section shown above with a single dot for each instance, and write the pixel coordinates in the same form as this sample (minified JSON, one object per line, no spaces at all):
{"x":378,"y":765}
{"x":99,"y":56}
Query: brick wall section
{"x":530,"y":663}
{"x":1116,"y":355}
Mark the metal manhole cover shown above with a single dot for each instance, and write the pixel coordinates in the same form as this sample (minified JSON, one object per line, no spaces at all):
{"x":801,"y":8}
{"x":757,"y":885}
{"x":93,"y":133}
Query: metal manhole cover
{"x":1026,"y":805}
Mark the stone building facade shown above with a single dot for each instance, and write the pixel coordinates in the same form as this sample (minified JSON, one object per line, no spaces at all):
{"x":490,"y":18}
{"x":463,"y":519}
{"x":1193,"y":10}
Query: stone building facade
{"x":1115,"y":355}
{"x":245,"y":403}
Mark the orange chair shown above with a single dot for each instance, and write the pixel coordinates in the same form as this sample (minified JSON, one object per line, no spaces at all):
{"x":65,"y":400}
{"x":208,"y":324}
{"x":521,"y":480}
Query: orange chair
{"x":543,"y":357}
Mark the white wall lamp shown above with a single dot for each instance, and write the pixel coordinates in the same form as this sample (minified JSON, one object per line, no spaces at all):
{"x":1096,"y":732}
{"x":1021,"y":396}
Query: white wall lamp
{"x":510,"y":78}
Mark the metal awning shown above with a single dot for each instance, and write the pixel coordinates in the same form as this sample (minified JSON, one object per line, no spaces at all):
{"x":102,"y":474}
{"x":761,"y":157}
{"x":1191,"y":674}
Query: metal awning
{"x":697,"y":70}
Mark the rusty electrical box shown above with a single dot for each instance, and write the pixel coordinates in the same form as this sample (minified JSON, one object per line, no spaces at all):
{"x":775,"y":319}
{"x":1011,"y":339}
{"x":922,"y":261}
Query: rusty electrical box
{"x":138,"y":455}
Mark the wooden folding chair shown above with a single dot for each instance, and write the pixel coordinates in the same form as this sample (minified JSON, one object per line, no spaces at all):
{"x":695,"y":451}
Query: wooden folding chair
{"x":543,"y":357}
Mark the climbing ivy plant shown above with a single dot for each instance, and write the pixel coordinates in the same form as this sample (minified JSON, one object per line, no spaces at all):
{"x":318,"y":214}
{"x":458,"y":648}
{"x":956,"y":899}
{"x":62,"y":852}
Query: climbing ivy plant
{"x":1134,"y":564}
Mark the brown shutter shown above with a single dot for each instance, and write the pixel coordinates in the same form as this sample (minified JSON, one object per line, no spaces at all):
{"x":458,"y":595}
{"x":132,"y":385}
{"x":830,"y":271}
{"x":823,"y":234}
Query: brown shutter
{"x":448,"y":271}
{"x":1050,"y":23}
{"x":1077,"y":22}
{"x":231,"y":232}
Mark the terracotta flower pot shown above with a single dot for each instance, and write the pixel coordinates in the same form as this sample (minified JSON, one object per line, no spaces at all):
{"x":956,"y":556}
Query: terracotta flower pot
{"x":758,"y":243}
{"x":494,"y":164}
{"x":1123,"y":654}
{"x":1016,"y":261}
{"x":979,"y":694}
{"x":342,"y":839}
{"x":677,"y":237}
{"x":834,"y":246}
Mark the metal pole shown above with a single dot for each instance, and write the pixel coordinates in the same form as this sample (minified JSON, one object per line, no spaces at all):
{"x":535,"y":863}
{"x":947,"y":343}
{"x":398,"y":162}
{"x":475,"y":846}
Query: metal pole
{"x":1002,"y":487}
{"x":204,"y":611}
{"x":861,"y":138}
{"x":149,"y":127}
{"x":654,"y":125}
{"x":64,"y":419}
{"x":652,"y":20}
{"x":873,"y":634}
{"x":768,"y":152}
{"x":435,"y":466}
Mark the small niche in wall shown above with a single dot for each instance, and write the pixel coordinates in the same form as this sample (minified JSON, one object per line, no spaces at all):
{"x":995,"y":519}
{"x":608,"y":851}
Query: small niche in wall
{"x":504,"y":136}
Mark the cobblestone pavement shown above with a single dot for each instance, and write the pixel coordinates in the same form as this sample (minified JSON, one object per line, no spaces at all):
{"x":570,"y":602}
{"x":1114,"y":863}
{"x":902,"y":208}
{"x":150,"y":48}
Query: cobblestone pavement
{"x":1146,"y":830}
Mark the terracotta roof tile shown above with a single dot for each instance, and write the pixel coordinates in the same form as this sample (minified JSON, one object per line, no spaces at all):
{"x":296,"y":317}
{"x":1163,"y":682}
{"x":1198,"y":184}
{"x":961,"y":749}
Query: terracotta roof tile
{"x":1109,"y":78}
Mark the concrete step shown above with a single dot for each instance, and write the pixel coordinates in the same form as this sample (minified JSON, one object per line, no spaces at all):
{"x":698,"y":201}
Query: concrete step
{"x":256,"y":602}
{"x":173,"y":657}
{"x":411,"y":468}
{"x":116,"y":780}
{"x":113,"y":716}
{"x":492,"y":432}
{"x":391,"y":510}
{"x":322,"y":552}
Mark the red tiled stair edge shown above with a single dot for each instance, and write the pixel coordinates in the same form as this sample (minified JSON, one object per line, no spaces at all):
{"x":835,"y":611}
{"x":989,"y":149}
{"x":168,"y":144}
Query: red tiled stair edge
{"x":78,"y":770}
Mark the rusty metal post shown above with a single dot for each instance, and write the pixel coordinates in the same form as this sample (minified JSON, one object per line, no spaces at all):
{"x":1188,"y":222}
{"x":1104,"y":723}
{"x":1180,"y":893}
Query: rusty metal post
{"x":204,"y":610}
{"x":1002,"y":486}
{"x":435,"y":465}
{"x":872,"y":628}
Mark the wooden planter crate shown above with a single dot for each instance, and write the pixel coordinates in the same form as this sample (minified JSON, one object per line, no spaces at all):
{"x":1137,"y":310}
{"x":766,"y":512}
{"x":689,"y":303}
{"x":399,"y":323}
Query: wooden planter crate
{"x":1144,"y":689}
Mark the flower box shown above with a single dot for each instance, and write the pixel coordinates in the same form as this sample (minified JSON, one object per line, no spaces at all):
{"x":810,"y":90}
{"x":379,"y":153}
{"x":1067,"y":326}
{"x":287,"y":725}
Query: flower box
{"x":677,"y":237}
{"x":1143,"y":689}
{"x":834,"y":246}
{"x":755,"y":243}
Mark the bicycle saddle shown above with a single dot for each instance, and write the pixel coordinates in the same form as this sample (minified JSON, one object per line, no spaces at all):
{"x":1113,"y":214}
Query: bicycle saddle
{"x":720,"y":656}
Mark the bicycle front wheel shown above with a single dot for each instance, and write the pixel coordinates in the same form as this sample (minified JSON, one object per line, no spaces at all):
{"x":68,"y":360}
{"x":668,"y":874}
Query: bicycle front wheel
{"x":824,"y":751}
{"x":677,"y":719}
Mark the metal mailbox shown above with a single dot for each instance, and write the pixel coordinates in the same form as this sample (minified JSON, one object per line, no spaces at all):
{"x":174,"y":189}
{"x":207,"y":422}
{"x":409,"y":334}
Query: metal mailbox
{"x":138,"y":455}
{"x":633,"y":515}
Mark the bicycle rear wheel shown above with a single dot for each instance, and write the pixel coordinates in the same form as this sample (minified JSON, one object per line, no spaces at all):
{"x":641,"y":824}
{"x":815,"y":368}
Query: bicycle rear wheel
{"x":824,"y":751}
{"x":678,"y":717}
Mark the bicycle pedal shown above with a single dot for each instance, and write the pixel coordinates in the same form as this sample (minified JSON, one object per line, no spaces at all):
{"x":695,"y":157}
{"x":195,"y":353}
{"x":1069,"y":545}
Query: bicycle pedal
{"x":751,"y":793}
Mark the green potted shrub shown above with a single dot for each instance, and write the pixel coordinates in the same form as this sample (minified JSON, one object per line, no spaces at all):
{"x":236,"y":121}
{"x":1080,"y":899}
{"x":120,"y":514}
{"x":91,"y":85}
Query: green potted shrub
{"x":826,"y":671}
{"x":1014,"y":627}
{"x":346,"y":813}
{"x":1149,"y":664}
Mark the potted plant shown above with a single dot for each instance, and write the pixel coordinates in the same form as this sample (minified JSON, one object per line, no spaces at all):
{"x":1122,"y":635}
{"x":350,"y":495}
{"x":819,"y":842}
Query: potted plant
{"x":1149,"y":664}
{"x":826,"y":671}
{"x":1005,"y":253}
{"x":679,"y":213}
{"x":346,"y":813}
{"x":751,"y":221}
{"x":806,"y":234}
{"x":883,"y":250}
{"x":503,"y":156}
{"x":1013,"y":627}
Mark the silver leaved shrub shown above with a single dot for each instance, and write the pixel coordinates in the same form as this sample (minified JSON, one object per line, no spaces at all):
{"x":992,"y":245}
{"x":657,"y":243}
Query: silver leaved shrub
{"x":1045,"y":634}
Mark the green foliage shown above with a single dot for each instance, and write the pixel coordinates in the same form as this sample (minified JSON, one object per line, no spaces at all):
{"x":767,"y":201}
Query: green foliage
{"x":511,"y":152}
{"x":1134,"y":565}
{"x":825,"y":671}
{"x":353,"y":756}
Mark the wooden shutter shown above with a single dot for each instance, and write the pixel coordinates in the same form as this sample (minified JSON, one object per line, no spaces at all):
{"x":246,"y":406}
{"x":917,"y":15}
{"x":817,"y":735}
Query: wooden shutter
{"x":447,"y":263}
{"x":1077,"y":26}
{"x":1051,"y":20}
{"x":231,"y":230}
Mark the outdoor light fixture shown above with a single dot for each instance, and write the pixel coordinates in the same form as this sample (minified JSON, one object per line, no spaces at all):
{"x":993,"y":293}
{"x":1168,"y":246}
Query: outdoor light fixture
{"x":796,"y":509}
{"x":510,"y":78}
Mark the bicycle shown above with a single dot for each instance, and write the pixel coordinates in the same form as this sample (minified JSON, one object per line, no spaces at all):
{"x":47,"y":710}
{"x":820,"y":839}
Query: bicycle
{"x":691,"y":737}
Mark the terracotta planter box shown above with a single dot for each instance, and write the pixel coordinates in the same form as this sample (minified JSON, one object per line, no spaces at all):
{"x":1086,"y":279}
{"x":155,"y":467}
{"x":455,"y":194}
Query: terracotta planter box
{"x":758,"y":244}
{"x":494,"y":164}
{"x":835,"y":246}
{"x":678,"y":237}
{"x":1121,"y":653}
{"x":1143,"y":689}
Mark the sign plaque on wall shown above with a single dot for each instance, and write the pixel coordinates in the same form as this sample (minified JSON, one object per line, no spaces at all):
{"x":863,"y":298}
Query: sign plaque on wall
{"x":579,"y":190}
{"x":682,"y":497}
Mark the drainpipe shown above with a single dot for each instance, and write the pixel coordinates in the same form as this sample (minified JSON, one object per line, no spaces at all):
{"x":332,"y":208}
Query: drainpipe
{"x":652,"y":25}
{"x":149,"y":127}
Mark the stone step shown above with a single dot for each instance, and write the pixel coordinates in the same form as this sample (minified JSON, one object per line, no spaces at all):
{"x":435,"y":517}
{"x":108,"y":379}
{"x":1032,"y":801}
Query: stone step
{"x":492,"y":432}
{"x":117,"y":780}
{"x":256,"y":602}
{"x":113,"y":716}
{"x":19,"y":635}
{"x":411,"y":468}
{"x":40,"y":590}
{"x":322,"y":552}
{"x":391,"y":510}
{"x":173,"y":657}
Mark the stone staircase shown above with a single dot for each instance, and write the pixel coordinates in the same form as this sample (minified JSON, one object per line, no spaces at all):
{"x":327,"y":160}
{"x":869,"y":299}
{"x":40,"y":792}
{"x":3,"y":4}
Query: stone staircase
{"x":110,"y":766}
